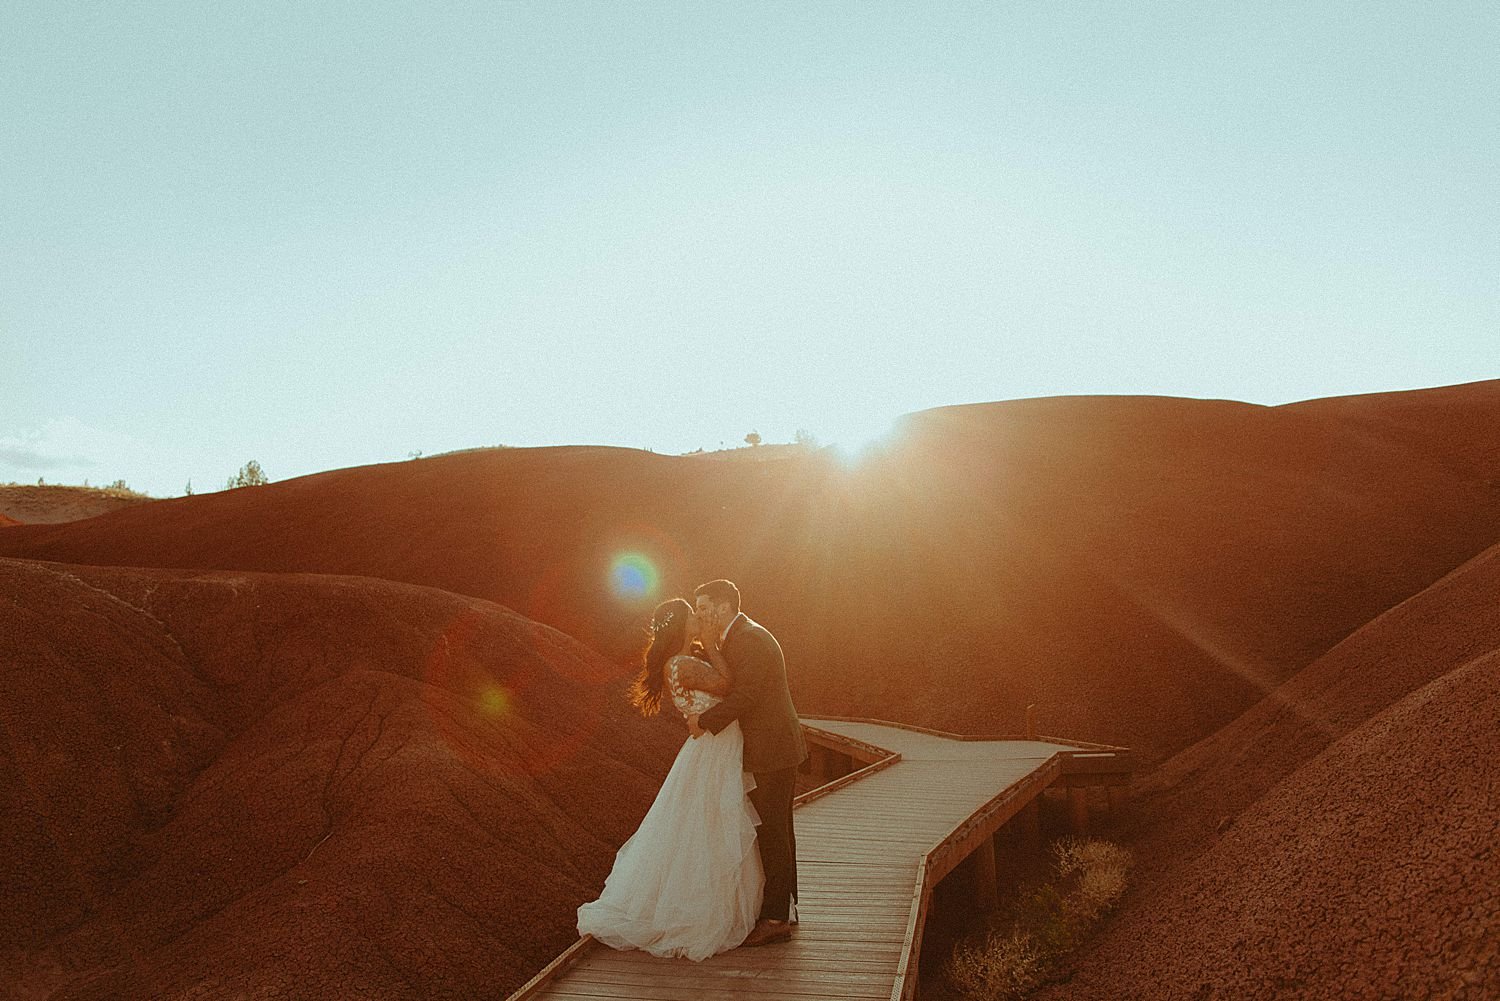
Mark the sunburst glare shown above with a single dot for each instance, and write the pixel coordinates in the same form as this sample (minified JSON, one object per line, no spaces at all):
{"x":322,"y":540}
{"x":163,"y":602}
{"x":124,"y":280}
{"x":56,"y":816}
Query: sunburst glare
{"x":852,"y":437}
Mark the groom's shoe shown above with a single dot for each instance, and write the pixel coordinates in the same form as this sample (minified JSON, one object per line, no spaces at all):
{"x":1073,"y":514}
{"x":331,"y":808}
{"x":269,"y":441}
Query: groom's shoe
{"x":768,"y":930}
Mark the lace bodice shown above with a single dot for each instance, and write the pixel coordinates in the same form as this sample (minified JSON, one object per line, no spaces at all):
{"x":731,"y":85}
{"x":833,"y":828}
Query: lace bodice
{"x":687,"y":700}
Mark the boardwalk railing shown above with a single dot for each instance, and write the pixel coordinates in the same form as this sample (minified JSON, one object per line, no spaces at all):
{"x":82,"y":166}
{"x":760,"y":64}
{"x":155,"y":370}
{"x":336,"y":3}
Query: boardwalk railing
{"x":1105,"y":764}
{"x":891,"y":820}
{"x":828,"y":746}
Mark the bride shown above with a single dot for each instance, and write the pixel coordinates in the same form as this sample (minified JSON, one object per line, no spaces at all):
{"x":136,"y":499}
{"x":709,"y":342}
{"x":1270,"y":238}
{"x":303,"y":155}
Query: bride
{"x":688,"y":882}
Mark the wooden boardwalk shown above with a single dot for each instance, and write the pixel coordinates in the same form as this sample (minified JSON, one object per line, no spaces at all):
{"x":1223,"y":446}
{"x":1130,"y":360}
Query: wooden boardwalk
{"x":870,"y":848}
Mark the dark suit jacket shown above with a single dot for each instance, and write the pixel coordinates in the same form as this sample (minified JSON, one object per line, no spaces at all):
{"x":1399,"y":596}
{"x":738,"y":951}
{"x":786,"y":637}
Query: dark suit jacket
{"x":759,"y":699}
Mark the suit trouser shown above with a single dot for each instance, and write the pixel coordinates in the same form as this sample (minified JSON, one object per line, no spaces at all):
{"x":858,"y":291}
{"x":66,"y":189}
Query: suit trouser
{"x":776,"y":839}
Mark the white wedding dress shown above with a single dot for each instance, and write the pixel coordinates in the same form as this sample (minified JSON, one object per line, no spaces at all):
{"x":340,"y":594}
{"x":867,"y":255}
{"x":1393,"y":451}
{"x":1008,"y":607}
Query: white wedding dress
{"x":688,"y":882}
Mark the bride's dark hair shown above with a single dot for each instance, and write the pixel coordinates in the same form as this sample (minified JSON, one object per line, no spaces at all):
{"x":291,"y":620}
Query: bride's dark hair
{"x":668,"y":627}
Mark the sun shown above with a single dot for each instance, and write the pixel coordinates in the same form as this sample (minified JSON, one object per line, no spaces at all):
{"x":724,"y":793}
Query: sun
{"x":854,"y":436}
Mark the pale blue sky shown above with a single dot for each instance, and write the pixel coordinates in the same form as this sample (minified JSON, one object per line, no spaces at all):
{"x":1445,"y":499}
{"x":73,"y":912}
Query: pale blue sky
{"x":322,"y":234}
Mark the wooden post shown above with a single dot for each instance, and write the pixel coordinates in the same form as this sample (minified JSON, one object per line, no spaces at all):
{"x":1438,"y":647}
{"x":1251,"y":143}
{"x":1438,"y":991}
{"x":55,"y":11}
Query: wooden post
{"x":1078,"y":809}
{"x":1031,"y":824}
{"x":1031,"y":722}
{"x":982,"y":873}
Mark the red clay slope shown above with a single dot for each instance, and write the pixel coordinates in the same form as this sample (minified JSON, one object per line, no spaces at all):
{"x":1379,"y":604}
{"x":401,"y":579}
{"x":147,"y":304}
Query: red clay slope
{"x":1413,"y":644}
{"x":1144,"y":568}
{"x":226,"y":785}
{"x":1455,"y":424}
{"x":1359,"y":808}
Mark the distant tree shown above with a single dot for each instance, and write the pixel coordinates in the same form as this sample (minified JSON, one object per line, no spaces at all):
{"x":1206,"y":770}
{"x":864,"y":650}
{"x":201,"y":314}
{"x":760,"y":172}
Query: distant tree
{"x":41,"y":482}
{"x":250,"y":475}
{"x":117,"y":485}
{"x":188,"y":492}
{"x":804,"y":438}
{"x":752,"y":439}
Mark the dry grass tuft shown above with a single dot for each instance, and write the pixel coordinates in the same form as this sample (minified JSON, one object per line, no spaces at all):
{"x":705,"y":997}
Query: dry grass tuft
{"x":1000,"y":966}
{"x":118,"y":489}
{"x":1044,"y":924}
{"x":1097,"y":869}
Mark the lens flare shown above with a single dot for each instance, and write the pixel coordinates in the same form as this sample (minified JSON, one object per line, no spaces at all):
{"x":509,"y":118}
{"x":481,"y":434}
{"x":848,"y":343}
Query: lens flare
{"x":492,"y":684}
{"x":633,"y":577}
{"x":494,"y":701}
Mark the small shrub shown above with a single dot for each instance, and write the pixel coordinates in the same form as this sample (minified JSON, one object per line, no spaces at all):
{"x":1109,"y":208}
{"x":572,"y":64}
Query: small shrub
{"x":1046,"y":921}
{"x":999,"y":968}
{"x":1071,"y":855}
{"x":250,"y":475}
{"x":1099,"y":889}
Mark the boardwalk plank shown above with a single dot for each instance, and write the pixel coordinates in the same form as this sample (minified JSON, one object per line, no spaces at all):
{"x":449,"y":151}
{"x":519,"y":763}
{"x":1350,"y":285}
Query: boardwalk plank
{"x":793,"y":956}
{"x":662,"y":992}
{"x":832,"y":983}
{"x":763,"y":973}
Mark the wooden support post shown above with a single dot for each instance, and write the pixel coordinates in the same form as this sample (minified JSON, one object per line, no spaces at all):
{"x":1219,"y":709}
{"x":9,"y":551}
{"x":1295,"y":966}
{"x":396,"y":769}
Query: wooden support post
{"x":1078,"y":809}
{"x":828,"y":763}
{"x":1031,"y":722}
{"x":982,"y":872}
{"x":1031,"y":824}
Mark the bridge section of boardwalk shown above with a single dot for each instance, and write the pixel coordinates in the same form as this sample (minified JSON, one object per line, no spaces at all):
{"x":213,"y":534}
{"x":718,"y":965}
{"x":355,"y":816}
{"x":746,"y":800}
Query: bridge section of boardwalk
{"x":871,"y":845}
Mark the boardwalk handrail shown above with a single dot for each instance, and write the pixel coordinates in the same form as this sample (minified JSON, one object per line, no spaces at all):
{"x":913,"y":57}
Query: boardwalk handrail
{"x":964,"y":838}
{"x":914,"y":728}
{"x":953,"y":849}
{"x":877,"y":757}
{"x":552,"y":970}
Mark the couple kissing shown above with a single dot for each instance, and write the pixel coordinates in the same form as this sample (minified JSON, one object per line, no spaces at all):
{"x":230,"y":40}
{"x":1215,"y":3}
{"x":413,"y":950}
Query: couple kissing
{"x":713,"y":865}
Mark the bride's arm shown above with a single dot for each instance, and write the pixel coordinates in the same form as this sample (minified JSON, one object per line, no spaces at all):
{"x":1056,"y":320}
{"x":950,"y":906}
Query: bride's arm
{"x":694,"y":673}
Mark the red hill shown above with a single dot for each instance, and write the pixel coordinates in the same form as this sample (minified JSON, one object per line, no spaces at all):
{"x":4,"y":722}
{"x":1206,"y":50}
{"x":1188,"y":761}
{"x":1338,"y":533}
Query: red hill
{"x":230,"y":785}
{"x":1338,"y":840}
{"x":1145,"y":569}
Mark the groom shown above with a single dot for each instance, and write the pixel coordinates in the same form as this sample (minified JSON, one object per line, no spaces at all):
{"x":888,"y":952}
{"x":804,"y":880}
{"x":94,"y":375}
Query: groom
{"x":774,"y":748}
